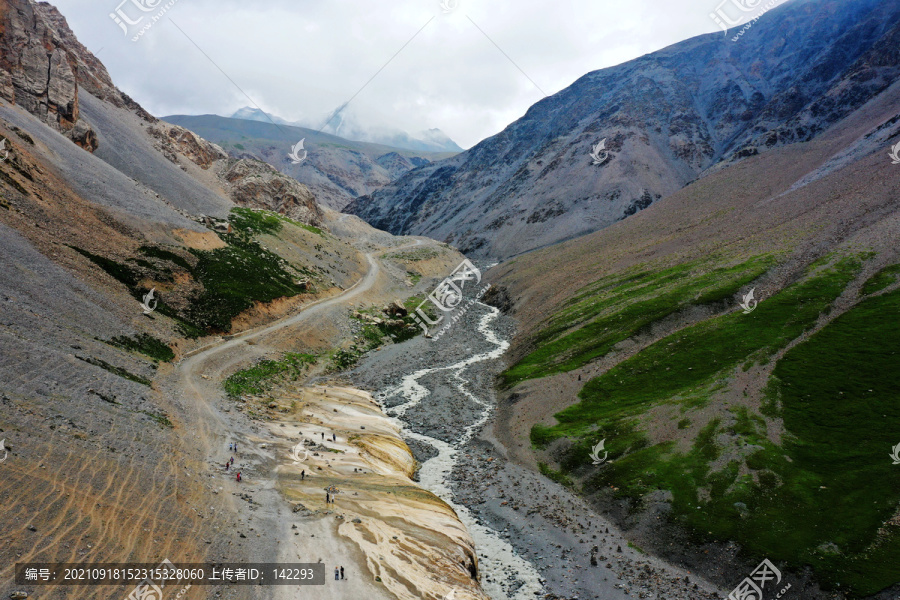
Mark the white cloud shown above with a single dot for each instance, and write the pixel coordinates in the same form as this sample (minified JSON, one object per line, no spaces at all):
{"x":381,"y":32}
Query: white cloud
{"x":301,"y":59}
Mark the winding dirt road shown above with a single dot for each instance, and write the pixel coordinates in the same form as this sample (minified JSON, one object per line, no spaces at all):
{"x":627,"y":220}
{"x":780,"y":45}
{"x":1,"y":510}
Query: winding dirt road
{"x":210,"y":426}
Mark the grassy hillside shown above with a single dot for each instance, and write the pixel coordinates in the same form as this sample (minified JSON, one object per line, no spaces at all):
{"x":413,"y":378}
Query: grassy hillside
{"x":226,"y":281}
{"x":617,"y":307}
{"x":801,"y":475}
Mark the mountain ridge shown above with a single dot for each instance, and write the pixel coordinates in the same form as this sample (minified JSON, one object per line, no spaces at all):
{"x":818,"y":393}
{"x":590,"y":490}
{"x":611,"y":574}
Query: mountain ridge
{"x":336,"y":170}
{"x":430,"y":140}
{"x":667,"y":118}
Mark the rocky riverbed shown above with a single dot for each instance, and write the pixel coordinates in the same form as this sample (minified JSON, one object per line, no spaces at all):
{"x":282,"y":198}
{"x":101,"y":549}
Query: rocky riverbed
{"x":534,"y":538}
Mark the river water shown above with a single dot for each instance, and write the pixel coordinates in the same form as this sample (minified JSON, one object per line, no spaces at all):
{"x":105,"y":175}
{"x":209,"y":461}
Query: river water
{"x":505,"y":575}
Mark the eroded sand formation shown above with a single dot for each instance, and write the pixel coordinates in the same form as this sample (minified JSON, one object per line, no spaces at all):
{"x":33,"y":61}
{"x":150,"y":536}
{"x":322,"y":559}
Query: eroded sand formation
{"x":413,"y":542}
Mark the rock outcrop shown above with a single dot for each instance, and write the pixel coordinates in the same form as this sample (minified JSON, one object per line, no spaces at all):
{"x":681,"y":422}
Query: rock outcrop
{"x":259,"y":185}
{"x":173,"y":140}
{"x":42,"y":65}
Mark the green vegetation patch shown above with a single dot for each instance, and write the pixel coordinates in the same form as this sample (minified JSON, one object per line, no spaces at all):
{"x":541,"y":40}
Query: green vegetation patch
{"x":146,"y":344}
{"x":233,"y":277}
{"x":882,"y":279}
{"x":615,"y":308}
{"x":249,"y":221}
{"x":838,"y":395}
{"x":679,"y":366}
{"x":823,"y":496}
{"x":118,"y":271}
{"x":266,"y":374}
{"x":166,"y":255}
{"x":115,"y":370}
{"x":374,"y":335}
{"x":254,"y":221}
{"x":161,"y":420}
{"x":554,"y":475}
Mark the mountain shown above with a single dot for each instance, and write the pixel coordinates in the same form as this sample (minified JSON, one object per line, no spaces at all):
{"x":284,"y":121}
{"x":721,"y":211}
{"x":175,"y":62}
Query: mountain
{"x":734,"y":347}
{"x":254,"y":114}
{"x":130,"y":248}
{"x":664,"y":119}
{"x":432,"y":140}
{"x":335,"y":169}
{"x":346,"y":122}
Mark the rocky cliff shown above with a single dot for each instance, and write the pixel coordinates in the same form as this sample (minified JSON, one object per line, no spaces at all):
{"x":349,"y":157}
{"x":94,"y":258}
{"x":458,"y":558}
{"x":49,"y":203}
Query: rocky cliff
{"x":42,"y":66}
{"x":664,"y":120}
{"x":259,"y":185}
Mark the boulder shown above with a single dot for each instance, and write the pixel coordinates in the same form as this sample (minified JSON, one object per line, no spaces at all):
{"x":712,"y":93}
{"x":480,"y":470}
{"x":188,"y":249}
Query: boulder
{"x":396,"y":308}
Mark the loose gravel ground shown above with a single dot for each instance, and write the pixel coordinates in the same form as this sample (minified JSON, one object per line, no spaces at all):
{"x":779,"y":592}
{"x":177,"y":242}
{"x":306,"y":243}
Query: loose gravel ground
{"x":549,"y":527}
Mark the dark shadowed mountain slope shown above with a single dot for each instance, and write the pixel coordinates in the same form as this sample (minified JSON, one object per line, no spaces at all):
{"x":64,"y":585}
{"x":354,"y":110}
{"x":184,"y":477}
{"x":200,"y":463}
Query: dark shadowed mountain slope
{"x":335,"y":169}
{"x":667,"y":118}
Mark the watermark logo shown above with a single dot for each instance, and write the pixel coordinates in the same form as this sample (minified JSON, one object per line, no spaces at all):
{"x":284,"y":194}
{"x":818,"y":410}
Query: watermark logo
{"x":895,"y":454}
{"x":749,"y":304}
{"x":295,"y":153}
{"x":448,"y":6}
{"x":723,"y":18}
{"x":6,"y":453}
{"x":752,"y":587}
{"x":595,"y":453}
{"x":448,"y":296}
{"x":140,"y":9}
{"x":148,"y":298}
{"x":149,"y":589}
{"x":296,"y":452}
{"x":894,"y":154}
{"x":731,"y":13}
{"x":4,"y":150}
{"x":596,"y":151}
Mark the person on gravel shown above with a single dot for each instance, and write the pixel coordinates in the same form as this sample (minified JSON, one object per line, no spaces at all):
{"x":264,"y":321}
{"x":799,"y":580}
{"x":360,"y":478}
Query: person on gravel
{"x":227,"y":464}
{"x":238,"y":477}
{"x":302,"y":475}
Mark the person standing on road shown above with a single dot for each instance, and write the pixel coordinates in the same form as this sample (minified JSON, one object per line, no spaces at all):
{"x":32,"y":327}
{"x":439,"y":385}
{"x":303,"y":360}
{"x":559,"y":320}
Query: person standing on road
{"x":342,"y":571}
{"x":336,"y":573}
{"x":333,"y":437}
{"x":238,"y":477}
{"x":327,"y":498}
{"x":302,"y":475}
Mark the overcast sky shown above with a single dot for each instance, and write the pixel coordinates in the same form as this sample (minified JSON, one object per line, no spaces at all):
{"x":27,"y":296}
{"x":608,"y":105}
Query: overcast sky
{"x":301,"y":59}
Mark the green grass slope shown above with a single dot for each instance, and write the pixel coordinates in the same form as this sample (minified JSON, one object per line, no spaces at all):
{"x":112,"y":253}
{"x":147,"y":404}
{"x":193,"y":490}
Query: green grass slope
{"x":801,"y":475}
